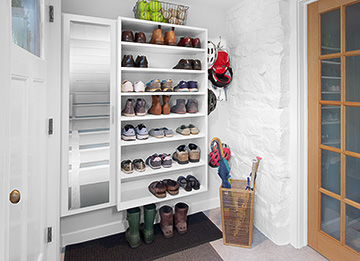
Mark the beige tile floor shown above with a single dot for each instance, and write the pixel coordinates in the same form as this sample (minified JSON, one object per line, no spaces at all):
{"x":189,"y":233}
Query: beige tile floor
{"x":262,"y":248}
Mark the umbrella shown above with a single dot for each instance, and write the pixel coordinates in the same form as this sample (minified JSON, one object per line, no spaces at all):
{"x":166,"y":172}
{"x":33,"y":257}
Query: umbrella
{"x":223,"y":169}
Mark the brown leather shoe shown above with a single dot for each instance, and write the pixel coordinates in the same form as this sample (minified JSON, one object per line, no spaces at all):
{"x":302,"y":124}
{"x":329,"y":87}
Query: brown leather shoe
{"x":166,"y":107}
{"x":128,"y":61}
{"x":127,"y":36}
{"x":181,"y":210}
{"x":167,"y":221}
{"x":141,"y":61}
{"x":170,"y":38}
{"x":156,"y":108}
{"x":196,"y":43}
{"x":157,"y":37}
{"x":185,"y":41}
{"x":184,"y":64}
{"x":140,"y":37}
{"x":129,"y":108}
{"x":196,"y":64}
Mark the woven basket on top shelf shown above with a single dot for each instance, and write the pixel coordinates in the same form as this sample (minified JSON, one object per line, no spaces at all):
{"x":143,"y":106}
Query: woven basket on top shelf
{"x":159,"y":11}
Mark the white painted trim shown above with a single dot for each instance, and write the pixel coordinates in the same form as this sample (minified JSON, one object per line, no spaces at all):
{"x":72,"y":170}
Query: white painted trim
{"x":121,"y":225}
{"x":298,"y":122}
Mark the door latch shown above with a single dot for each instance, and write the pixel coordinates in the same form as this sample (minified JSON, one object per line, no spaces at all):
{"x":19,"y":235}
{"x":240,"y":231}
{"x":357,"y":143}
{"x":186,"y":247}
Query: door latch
{"x":51,"y":13}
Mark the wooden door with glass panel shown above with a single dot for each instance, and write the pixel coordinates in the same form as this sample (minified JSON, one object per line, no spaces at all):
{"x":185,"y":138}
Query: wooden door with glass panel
{"x":334,"y":128}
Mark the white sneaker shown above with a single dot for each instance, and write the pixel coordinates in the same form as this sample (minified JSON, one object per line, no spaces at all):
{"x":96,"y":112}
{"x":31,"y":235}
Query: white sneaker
{"x":127,"y":86}
{"x":139,"y":86}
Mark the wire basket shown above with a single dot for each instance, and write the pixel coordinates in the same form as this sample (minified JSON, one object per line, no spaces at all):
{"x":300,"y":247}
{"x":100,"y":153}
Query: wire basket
{"x":237,"y":209}
{"x":159,"y":11}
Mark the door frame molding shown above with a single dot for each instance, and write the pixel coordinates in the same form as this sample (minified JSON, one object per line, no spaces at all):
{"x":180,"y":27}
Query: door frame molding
{"x":299,"y":123}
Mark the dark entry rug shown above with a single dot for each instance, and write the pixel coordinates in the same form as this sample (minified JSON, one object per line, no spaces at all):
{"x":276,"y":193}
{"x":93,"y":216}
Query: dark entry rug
{"x":200,"y":230}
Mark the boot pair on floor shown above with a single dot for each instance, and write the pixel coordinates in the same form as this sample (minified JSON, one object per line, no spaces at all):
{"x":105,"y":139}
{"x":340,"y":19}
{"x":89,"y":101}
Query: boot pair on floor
{"x":168,"y":218}
{"x":157,"y":37}
{"x":146,"y":229}
{"x":156,"y":107}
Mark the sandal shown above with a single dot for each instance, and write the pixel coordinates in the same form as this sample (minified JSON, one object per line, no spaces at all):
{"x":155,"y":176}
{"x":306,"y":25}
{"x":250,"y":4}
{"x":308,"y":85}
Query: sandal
{"x":195,"y":184}
{"x":171,"y":186}
{"x":158,"y":189}
{"x":183,"y":182}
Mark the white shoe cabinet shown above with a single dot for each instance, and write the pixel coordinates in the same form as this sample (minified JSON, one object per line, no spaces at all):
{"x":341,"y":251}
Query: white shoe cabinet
{"x":92,"y":122}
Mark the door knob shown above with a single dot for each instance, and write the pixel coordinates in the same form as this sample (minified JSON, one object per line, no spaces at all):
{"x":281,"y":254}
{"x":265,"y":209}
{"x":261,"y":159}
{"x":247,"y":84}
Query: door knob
{"x":14,"y":196}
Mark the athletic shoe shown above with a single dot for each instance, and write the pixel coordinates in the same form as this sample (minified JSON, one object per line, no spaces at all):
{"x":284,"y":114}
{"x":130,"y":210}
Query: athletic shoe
{"x":193,"y":129}
{"x":194,"y":152}
{"x":182,"y":86}
{"x":193,"y":86}
{"x":167,"y":132}
{"x":154,"y":161}
{"x":183,"y":130}
{"x":141,"y":132}
{"x":127,"y":86}
{"x":192,"y":106}
{"x":128,"y":133}
{"x":167,"y":85}
{"x":127,"y":166}
{"x":181,"y":155}
{"x":157,"y":133}
{"x":139,"y":165}
{"x":139,"y":86}
{"x":153,"y":86}
{"x":166,"y":160}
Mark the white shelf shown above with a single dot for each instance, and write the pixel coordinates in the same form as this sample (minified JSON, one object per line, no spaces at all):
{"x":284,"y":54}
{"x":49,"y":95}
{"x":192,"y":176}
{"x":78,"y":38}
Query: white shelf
{"x":330,"y":92}
{"x":162,"y":117}
{"x":160,"y":70}
{"x":132,"y":189}
{"x":330,"y":48}
{"x":149,"y":171}
{"x":331,"y":62}
{"x":330,"y":122}
{"x":141,"y":197}
{"x":150,"y":140}
{"x":331,"y":77}
{"x":163,"y":49}
{"x":161,"y":93}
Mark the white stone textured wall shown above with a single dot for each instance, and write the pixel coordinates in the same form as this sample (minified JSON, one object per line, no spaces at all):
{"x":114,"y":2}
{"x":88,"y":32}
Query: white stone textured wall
{"x":258,"y":107}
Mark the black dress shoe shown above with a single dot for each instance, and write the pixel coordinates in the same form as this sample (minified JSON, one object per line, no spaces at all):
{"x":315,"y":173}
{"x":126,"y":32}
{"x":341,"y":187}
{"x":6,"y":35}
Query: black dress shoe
{"x":141,"y":61}
{"x":184,"y":64}
{"x":128,"y":61}
{"x":195,"y":184}
{"x":196,"y":64}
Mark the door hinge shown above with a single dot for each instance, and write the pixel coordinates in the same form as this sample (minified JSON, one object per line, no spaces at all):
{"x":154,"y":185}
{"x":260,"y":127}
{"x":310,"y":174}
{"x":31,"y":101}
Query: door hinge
{"x":49,"y":234}
{"x":51,"y":13}
{"x":51,"y":127}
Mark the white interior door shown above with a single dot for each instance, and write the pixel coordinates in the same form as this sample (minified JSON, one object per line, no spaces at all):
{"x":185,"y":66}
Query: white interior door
{"x":28,"y":131}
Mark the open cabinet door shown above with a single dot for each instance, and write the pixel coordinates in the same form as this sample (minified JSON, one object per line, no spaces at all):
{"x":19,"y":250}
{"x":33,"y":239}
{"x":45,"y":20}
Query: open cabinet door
{"x":334,"y":128}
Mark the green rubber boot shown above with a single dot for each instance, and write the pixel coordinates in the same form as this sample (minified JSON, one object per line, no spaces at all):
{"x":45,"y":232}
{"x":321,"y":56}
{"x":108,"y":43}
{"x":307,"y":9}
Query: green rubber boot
{"x":148,"y":226}
{"x":132,"y":234}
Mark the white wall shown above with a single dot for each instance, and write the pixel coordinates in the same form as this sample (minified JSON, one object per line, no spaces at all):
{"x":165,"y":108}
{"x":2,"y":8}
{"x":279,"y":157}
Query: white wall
{"x":108,"y":221}
{"x":259,"y":122}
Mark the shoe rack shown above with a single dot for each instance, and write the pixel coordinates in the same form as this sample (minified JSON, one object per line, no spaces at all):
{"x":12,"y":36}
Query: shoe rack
{"x":92,"y":149}
{"x":132,"y":189}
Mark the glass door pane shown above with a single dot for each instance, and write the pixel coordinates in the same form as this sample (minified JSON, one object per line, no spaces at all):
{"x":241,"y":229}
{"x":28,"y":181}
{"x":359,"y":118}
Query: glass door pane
{"x":353,"y":79}
{"x":331,"y":79}
{"x":353,"y":178}
{"x":330,"y":171}
{"x":353,"y":227}
{"x":353,"y":27}
{"x":330,"y":32}
{"x":26,"y":25}
{"x":330,"y":125}
{"x":330,"y":216}
{"x":353,"y":129}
